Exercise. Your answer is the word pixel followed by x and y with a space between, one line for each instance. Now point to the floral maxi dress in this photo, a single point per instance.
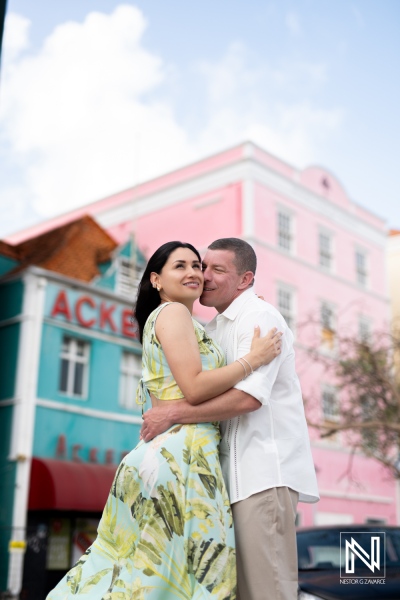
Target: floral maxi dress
pixel 166 532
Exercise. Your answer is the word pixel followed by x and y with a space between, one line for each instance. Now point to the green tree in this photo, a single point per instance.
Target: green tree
pixel 366 374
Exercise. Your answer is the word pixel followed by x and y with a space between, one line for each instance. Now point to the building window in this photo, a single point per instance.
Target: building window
pixel 375 521
pixel 128 277
pixel 285 231
pixel 286 305
pixel 131 370
pixel 361 268
pixel 364 328
pixel 330 403
pixel 325 250
pixel 74 367
pixel 328 326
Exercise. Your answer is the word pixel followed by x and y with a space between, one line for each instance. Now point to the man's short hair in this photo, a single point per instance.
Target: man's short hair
pixel 245 257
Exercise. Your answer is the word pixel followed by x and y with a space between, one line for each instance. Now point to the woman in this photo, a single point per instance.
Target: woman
pixel 166 531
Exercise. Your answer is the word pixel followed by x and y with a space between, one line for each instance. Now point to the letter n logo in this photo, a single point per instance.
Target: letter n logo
pixel 365 546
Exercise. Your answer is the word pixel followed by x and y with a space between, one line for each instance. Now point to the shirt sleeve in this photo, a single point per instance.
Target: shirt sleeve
pixel 259 384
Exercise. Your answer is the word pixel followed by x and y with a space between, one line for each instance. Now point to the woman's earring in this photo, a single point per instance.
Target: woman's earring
pixel 158 288
pixel 154 285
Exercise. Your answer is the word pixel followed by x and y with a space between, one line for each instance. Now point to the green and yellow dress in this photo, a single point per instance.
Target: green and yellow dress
pixel 166 531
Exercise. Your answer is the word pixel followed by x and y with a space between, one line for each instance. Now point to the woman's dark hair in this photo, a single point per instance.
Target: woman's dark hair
pixel 148 298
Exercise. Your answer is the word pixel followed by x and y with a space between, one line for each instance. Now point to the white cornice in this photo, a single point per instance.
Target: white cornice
pixel 94 334
pixel 297 259
pixel 70 282
pixel 245 169
pixel 359 497
pixel 175 194
pixel 321 206
pixel 89 412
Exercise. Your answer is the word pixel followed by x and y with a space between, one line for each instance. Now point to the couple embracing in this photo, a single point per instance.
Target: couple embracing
pixel 188 510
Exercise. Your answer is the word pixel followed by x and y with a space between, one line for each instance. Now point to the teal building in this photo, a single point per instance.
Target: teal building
pixel 70 364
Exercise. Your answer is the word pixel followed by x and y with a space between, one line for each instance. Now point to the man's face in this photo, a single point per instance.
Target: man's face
pixel 222 283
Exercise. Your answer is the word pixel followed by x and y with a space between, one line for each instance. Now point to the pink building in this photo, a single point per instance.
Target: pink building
pixel 321 258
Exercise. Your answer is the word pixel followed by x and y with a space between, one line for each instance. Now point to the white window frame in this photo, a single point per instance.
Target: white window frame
pixel 128 277
pixel 328 255
pixel 282 234
pixel 130 373
pixel 290 314
pixel 362 275
pixel 330 415
pixel 73 357
pixel 365 323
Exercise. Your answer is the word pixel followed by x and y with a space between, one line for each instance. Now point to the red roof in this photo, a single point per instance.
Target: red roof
pixel 75 249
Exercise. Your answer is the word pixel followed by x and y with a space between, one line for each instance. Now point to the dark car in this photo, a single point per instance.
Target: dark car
pixel 356 562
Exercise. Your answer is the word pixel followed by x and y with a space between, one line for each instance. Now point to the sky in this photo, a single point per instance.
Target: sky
pixel 96 96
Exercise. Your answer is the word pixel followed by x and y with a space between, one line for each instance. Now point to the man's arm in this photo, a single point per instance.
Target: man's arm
pixel 225 406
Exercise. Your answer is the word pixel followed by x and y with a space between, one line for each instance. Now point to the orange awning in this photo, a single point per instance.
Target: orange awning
pixel 67 485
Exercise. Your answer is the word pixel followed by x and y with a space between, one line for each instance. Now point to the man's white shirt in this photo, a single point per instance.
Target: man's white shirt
pixel 269 447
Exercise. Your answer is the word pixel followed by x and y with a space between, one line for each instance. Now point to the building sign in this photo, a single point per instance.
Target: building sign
pixel 61 452
pixel 92 312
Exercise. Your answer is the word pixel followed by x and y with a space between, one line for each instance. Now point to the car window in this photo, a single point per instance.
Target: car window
pixel 318 550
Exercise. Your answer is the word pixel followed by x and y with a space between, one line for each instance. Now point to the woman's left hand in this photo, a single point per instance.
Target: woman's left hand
pixel 264 349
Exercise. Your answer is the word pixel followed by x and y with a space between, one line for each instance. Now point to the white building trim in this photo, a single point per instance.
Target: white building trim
pixel 359 497
pixel 243 170
pixel 318 204
pixel 24 414
pixel 316 267
pixel 88 333
pixel 89 412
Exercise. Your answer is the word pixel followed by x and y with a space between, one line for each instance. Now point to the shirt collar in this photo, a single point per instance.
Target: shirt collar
pixel 235 306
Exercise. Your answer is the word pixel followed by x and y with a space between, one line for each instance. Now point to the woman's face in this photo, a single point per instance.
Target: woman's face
pixel 181 278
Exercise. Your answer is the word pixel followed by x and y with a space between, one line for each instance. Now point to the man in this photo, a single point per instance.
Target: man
pixel 265 452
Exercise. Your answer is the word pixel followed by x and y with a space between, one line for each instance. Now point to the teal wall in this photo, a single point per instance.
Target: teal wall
pixel 89 432
pixel 106 349
pixel 103 390
pixel 7 486
pixel 6 265
pixel 104 371
pixel 108 270
pixel 107 280
pixel 9 337
pixel 11 296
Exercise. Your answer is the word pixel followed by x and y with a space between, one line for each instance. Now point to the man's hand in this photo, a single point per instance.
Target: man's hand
pixel 155 421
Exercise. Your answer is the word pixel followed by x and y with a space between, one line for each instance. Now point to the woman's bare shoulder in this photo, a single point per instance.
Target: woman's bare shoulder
pixel 174 310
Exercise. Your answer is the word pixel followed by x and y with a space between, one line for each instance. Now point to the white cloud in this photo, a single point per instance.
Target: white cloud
pixel 246 102
pixel 79 117
pixel 16 35
pixel 87 115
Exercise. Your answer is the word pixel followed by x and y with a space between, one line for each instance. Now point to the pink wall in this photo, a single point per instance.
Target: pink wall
pixel 219 214
pixel 204 217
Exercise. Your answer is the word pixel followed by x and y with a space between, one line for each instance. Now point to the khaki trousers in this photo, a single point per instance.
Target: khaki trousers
pixel 266 547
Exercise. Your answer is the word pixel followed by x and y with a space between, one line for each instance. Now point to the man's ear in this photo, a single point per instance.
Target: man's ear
pixel 246 280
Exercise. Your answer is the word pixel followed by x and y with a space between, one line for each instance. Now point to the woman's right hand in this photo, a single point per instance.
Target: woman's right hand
pixel 264 349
